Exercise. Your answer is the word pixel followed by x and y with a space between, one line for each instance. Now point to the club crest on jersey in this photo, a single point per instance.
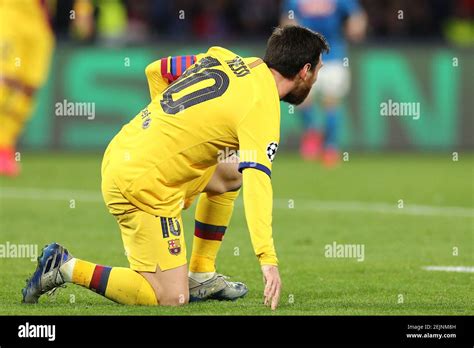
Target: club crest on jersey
pixel 174 246
pixel 272 150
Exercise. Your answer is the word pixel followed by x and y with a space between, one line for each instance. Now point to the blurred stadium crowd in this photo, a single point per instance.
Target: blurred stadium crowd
pixel 135 22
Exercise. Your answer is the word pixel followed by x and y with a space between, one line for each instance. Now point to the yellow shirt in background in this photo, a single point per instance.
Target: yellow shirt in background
pixel 221 102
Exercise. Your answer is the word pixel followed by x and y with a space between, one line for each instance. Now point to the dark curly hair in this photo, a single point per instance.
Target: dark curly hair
pixel 290 47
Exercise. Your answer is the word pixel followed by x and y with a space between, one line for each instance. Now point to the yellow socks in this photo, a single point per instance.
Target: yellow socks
pixel 119 284
pixel 213 213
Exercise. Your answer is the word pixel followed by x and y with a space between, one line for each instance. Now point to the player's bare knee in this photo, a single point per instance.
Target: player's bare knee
pixel 226 178
pixel 232 180
pixel 234 185
pixel 228 185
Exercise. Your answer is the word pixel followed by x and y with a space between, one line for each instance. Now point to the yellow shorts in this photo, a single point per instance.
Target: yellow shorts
pixel 152 241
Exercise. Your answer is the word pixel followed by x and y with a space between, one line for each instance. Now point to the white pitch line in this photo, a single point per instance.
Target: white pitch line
pixel 50 194
pixel 461 269
pixel 279 203
pixel 385 208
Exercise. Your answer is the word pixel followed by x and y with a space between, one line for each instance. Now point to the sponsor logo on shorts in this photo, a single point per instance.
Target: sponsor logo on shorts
pixel 174 246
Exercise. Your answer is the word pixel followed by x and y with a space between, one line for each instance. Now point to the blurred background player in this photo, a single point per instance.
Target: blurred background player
pixel 336 20
pixel 26 43
pixel 26 48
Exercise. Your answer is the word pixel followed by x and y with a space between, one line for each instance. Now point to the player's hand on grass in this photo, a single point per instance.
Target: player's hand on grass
pixel 272 281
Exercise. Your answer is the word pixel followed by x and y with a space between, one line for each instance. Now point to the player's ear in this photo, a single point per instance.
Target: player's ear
pixel 305 72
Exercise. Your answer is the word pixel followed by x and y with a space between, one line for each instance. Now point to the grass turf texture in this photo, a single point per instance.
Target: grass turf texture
pixel 397 245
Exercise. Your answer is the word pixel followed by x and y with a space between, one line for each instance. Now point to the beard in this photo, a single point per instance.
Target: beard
pixel 297 95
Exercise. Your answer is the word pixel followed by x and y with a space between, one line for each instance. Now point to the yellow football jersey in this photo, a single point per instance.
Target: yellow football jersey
pixel 220 103
pixel 27 41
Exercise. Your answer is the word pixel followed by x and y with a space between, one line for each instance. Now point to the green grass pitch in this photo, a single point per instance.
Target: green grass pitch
pixel 356 203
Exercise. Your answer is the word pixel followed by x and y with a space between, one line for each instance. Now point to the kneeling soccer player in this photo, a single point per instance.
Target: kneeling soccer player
pixel 202 106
